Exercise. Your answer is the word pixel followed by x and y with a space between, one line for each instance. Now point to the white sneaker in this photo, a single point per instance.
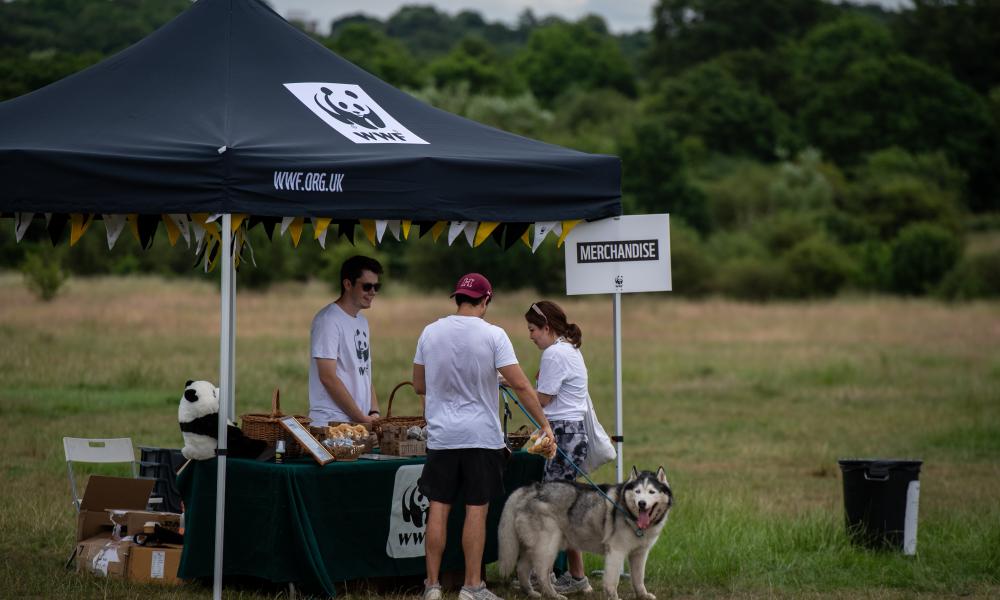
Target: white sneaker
pixel 432 592
pixel 479 593
pixel 567 584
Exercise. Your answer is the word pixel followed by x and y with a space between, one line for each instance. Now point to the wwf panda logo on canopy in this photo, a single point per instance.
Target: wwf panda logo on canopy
pixel 353 113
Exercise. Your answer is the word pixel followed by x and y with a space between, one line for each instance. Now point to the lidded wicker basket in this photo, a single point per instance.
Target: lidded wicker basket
pixel 267 427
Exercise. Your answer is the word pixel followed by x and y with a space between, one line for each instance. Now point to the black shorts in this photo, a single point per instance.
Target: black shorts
pixel 472 476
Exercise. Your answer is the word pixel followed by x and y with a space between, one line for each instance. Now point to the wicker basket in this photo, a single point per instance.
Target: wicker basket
pixel 518 438
pixel 390 421
pixel 267 427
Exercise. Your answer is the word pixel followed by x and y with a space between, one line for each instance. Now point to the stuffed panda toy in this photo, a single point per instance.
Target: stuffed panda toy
pixel 198 416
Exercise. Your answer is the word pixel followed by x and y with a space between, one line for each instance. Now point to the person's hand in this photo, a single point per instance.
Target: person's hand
pixel 552 436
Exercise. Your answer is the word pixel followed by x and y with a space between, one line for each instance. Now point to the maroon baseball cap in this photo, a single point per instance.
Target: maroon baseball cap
pixel 473 285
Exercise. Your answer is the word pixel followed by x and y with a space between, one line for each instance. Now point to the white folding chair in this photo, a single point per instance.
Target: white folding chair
pixel 97 450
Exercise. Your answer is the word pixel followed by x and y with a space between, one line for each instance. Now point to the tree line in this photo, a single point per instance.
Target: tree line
pixel 803 148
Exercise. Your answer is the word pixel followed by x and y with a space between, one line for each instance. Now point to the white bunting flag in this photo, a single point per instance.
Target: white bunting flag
pixel 542 229
pixel 114 225
pixel 454 229
pixel 380 225
pixel 285 222
pixel 21 222
pixel 470 232
pixel 394 229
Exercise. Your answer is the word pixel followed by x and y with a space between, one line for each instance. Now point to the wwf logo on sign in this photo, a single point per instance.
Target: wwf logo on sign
pixel 348 109
pixel 619 282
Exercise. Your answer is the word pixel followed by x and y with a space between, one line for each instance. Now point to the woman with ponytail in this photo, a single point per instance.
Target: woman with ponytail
pixel 562 392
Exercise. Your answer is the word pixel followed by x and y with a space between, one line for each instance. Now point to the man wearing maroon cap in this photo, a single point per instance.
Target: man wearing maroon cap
pixel 456 367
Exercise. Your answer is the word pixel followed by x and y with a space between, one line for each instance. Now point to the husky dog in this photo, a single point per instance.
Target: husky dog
pixel 543 518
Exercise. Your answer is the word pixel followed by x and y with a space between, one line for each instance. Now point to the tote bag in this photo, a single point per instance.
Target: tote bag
pixel 601 449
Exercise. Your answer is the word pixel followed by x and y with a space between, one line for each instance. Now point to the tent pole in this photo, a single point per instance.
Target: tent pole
pixel 616 304
pixel 232 334
pixel 226 392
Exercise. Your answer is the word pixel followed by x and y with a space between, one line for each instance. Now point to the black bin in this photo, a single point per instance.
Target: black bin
pixel 881 499
pixel 161 464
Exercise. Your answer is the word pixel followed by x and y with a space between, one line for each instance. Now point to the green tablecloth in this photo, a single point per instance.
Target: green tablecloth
pixel 299 522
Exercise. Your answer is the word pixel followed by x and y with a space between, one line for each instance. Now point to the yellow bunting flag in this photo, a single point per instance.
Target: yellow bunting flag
pixel 406 229
pixel 133 225
pixel 237 220
pixel 526 237
pixel 567 226
pixel 368 226
pixel 79 224
pixel 296 230
pixel 438 229
pixel 319 226
pixel 484 231
pixel 173 231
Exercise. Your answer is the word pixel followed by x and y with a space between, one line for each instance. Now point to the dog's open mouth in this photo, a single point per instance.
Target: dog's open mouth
pixel 643 519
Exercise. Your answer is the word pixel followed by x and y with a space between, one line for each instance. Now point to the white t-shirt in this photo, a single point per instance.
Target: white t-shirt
pixel 339 336
pixel 563 374
pixel 461 356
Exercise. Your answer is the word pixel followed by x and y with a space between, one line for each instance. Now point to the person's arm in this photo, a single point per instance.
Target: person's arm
pixel 327 370
pixel 544 399
pixel 419 380
pixel 526 394
pixel 374 409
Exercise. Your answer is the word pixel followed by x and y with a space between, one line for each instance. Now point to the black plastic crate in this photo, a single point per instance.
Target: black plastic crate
pixel 160 465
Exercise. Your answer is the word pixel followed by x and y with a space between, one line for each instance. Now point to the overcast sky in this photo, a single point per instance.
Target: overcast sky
pixel 621 15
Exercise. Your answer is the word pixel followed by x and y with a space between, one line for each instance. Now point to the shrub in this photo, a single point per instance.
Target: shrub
pixel 920 257
pixel 43 273
pixel 974 277
pixel 818 267
pixel 691 270
pixel 753 279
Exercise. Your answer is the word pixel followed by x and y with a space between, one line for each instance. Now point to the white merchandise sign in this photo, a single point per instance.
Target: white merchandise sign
pixel 408 516
pixel 625 254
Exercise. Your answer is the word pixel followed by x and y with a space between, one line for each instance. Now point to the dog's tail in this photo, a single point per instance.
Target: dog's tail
pixel 507 534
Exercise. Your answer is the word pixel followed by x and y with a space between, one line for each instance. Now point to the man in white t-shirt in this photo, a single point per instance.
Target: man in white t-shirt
pixel 456 367
pixel 340 368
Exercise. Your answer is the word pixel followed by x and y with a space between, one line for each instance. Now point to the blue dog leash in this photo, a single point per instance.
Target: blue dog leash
pixel 628 517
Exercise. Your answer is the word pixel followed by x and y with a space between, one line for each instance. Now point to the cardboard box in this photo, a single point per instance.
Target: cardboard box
pixel 149 564
pixel 103 493
pixel 135 519
pixel 103 556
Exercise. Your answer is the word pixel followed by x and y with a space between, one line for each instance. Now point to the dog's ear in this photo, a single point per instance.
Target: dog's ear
pixel 661 476
pixel 634 474
pixel 189 382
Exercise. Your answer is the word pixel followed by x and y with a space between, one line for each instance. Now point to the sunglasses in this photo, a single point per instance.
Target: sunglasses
pixel 371 286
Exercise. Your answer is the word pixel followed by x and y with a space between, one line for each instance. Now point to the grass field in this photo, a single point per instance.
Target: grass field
pixel 748 407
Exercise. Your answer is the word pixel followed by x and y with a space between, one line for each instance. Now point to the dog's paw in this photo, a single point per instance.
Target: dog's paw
pixel 610 594
pixel 644 595
pixel 531 593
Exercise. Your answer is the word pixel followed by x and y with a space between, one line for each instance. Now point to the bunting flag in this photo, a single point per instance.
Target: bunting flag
pixel 147 226
pixel 567 226
pixel 456 228
pixel 368 226
pixel 57 226
pixel 425 227
pixel 48 219
pixel 484 231
pixel 320 227
pixel 497 234
pixel 173 231
pixel 285 222
pixel 405 223
pixel 394 229
pixel 542 229
pixel 438 229
pixel 113 225
pixel 346 229
pixel 78 226
pixel 514 232
pixel 133 226
pixel 470 232
pixel 21 222
pixel 526 237
pixel 296 230
pixel 181 222
pixel 236 221
pixel 380 226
